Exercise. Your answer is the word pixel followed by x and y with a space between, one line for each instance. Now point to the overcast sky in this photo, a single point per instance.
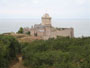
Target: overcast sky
pixel 63 9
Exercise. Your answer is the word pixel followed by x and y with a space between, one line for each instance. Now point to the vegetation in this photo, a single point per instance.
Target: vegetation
pixel 20 30
pixel 57 53
pixel 53 53
pixel 28 33
pixel 9 48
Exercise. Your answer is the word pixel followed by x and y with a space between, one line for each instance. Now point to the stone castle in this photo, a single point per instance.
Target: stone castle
pixel 45 30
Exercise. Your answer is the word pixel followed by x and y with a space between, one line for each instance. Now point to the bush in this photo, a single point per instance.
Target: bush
pixel 9 48
pixel 57 53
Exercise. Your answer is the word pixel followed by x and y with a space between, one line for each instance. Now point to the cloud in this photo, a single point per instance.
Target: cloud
pixel 35 1
pixel 80 2
pixel 56 8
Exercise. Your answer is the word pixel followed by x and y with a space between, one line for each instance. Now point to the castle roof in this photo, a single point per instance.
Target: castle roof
pixel 39 26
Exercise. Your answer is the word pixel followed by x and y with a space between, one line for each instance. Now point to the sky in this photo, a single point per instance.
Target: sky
pixel 62 9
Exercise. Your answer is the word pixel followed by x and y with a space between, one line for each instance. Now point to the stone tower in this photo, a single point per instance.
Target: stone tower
pixel 46 20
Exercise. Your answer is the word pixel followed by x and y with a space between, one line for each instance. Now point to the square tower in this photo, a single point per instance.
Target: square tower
pixel 46 20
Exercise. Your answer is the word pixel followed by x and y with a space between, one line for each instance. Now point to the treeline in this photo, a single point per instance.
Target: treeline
pixel 57 53
pixel 9 48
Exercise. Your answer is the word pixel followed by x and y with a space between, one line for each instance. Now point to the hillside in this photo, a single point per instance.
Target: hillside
pixel 57 53
pixel 62 52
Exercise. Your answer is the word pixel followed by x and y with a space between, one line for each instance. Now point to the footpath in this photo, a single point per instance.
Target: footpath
pixel 18 64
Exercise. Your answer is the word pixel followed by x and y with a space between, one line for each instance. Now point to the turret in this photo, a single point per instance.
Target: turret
pixel 46 20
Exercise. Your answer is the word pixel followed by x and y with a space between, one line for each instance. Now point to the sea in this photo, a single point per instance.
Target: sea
pixel 81 26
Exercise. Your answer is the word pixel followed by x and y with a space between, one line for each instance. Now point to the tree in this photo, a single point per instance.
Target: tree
pixel 57 53
pixel 9 48
pixel 28 33
pixel 20 30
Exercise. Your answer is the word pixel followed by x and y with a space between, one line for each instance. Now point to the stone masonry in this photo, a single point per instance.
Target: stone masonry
pixel 45 30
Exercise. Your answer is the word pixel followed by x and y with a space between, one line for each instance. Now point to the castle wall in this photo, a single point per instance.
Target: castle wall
pixel 32 32
pixel 68 32
pixel 26 30
pixel 40 34
pixel 50 32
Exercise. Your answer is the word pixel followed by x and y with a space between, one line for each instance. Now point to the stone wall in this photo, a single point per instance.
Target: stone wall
pixel 68 32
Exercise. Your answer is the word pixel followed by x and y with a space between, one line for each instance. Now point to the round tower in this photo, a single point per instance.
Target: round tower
pixel 46 20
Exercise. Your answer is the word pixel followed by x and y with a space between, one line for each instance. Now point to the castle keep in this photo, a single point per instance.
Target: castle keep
pixel 45 30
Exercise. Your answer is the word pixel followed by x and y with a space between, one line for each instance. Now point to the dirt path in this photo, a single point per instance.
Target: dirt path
pixel 18 64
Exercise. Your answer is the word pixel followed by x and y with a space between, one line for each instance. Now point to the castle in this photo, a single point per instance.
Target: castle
pixel 45 30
